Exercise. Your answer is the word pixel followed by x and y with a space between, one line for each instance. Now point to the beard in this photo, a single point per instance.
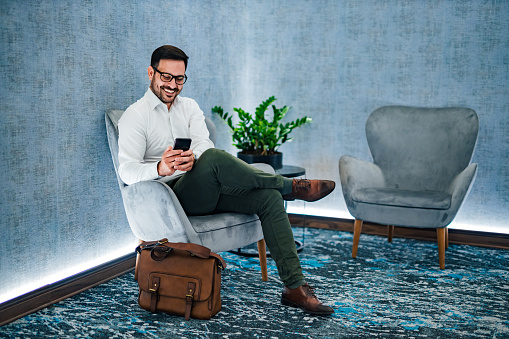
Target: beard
pixel 166 93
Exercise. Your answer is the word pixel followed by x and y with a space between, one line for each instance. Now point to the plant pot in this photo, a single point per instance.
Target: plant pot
pixel 275 160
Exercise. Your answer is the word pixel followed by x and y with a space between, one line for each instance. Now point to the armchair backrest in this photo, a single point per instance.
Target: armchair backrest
pixel 112 118
pixel 422 148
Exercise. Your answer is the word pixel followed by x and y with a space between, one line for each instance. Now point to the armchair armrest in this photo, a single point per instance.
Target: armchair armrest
pixel 461 185
pixel 152 202
pixel 357 174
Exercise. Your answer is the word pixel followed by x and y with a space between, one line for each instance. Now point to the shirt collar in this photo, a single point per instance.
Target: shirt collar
pixel 154 101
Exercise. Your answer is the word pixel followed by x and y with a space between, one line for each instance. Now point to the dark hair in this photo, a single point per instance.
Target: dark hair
pixel 168 52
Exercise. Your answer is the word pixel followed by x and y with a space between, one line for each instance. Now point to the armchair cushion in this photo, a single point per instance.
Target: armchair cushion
pixel 221 231
pixel 403 198
pixel 214 222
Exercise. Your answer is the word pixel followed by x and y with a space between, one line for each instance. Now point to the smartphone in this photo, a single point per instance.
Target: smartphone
pixel 182 144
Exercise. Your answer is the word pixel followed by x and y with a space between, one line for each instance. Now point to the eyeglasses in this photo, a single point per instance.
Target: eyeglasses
pixel 167 77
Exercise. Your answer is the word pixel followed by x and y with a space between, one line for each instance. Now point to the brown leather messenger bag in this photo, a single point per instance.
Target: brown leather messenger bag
pixel 179 278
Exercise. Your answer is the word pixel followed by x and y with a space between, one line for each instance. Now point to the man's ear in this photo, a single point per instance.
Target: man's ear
pixel 150 73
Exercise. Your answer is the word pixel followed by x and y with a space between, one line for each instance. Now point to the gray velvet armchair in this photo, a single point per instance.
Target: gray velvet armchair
pixel 154 212
pixel 420 174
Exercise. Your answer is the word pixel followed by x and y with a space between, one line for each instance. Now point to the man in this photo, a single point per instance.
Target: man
pixel 207 180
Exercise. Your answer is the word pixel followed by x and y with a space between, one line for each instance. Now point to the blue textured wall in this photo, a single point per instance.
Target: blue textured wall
pixel 64 63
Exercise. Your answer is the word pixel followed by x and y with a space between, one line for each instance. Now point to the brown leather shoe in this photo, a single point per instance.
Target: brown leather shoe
pixel 303 297
pixel 310 190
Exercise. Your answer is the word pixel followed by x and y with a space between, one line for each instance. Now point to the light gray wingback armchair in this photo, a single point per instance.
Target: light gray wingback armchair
pixel 154 212
pixel 421 171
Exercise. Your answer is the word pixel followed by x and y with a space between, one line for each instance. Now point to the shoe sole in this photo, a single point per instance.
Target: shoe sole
pixel 286 302
pixel 311 200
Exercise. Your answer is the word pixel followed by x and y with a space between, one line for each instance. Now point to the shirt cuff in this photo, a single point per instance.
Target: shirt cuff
pixel 156 174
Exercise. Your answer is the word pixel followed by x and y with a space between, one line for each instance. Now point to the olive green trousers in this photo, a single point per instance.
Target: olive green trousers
pixel 220 182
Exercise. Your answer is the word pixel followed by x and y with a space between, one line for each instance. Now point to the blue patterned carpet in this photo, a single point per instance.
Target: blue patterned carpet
pixel 391 290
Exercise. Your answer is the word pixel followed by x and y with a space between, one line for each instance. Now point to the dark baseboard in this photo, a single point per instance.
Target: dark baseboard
pixel 50 294
pixel 47 295
pixel 460 237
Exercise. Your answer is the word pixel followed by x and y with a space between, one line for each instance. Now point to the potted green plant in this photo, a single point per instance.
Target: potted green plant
pixel 259 138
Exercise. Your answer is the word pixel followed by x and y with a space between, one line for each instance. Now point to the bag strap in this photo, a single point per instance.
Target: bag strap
pixel 148 245
pixel 198 250
pixel 153 293
pixel 195 249
pixel 222 263
pixel 191 287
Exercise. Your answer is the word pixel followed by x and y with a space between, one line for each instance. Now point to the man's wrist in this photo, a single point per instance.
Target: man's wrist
pixel 158 172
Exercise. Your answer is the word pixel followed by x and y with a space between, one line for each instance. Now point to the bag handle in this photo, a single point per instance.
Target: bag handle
pixel 194 249
pixel 197 250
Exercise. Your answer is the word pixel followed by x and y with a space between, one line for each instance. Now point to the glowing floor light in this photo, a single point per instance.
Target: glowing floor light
pixel 317 211
pixel 331 213
pixel 66 273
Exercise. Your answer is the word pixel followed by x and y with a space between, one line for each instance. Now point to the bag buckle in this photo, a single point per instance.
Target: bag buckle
pixel 156 281
pixel 155 285
pixel 191 286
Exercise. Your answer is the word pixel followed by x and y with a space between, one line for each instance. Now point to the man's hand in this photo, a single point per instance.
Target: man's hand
pixel 173 160
pixel 184 161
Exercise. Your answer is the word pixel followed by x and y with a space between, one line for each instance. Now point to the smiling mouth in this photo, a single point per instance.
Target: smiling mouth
pixel 169 91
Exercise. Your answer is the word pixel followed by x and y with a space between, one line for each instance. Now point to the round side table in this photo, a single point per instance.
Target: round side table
pixel 291 171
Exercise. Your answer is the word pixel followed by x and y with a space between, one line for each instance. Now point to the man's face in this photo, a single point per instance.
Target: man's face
pixel 166 91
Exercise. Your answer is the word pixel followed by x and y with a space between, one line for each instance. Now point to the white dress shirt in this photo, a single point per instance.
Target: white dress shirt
pixel 147 128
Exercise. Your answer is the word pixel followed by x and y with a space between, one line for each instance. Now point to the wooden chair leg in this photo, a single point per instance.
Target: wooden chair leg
pixel 262 253
pixel 390 232
pixel 446 238
pixel 441 247
pixel 357 227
